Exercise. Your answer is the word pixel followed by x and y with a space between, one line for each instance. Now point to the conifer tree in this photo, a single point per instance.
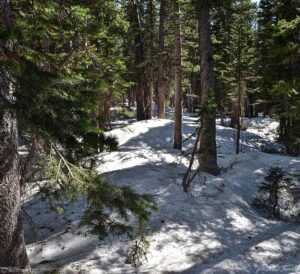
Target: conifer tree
pixel 242 59
pixel 150 57
pixel 221 32
pixel 178 76
pixel 278 40
pixel 64 57
pixel 207 150
pixel 266 20
pixel 286 80
pixel 13 258
pixel 161 61
pixel 136 24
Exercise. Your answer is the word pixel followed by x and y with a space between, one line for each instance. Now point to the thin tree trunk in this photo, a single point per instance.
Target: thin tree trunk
pixel 234 116
pixel 129 95
pixel 190 99
pixel 161 64
pixel 13 257
pixel 139 59
pixel 178 77
pixel 207 151
pixel 238 125
pixel 249 112
pixel 149 93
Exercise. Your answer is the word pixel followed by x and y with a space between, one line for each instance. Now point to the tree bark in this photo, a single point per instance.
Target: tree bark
pixel 207 151
pixel 13 257
pixel 161 63
pixel 139 59
pixel 234 115
pixel 150 90
pixel 239 112
pixel 178 77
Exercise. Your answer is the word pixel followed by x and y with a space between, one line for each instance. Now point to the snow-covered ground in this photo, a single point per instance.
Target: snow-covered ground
pixel 212 230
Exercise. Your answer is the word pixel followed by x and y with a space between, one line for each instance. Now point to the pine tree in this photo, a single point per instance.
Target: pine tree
pixel 286 81
pixel 279 62
pixel 178 76
pixel 275 183
pixel 242 59
pixel 190 58
pixel 150 57
pixel 161 61
pixel 65 58
pixel 13 256
pixel 139 59
pixel 266 21
pixel 207 150
pixel 221 32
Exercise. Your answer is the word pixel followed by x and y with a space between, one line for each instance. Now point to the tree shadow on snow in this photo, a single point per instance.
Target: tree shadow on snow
pixel 207 227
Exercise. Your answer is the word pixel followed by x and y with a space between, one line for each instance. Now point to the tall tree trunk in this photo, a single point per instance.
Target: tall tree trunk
pixel 178 77
pixel 239 112
pixel 234 115
pixel 190 99
pixel 13 257
pixel 139 59
pixel 161 63
pixel 249 106
pixel 150 90
pixel 207 151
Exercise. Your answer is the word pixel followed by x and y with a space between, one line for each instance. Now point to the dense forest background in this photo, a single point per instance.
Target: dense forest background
pixel 68 68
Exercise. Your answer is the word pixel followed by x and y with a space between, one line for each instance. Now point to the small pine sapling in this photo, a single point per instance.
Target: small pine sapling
pixel 273 187
pixel 137 252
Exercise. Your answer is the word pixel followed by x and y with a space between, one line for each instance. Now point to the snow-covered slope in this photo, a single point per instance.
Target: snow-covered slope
pixel 212 230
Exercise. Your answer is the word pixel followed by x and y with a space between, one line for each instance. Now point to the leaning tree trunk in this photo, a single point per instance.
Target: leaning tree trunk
pixel 207 150
pixel 178 78
pixel 13 257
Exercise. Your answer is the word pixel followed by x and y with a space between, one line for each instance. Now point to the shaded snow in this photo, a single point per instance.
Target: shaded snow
pixel 213 230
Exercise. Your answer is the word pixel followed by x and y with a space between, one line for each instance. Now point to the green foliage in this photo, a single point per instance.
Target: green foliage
pixel 138 252
pixel 233 39
pixel 273 186
pixel 68 63
pixel 110 209
pixel 106 200
pixel 126 112
pixel 278 45
pixel 242 57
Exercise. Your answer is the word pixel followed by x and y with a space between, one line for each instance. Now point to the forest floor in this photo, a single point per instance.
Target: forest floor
pixel 214 229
